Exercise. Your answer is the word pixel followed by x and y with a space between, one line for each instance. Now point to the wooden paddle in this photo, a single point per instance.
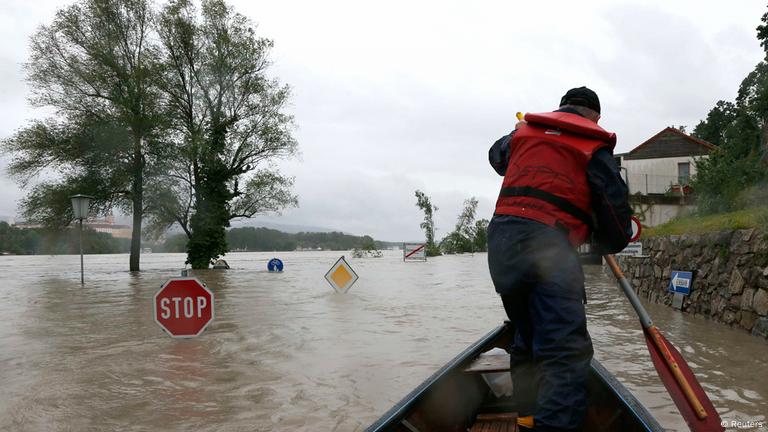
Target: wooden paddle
pixel 682 385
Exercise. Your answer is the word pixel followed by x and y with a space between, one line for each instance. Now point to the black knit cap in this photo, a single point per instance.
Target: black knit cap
pixel 581 96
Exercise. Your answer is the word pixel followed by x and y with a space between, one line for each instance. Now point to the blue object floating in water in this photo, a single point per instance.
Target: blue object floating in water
pixel 275 265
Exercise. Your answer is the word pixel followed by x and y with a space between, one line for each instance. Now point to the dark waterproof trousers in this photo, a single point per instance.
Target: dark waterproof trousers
pixel 539 277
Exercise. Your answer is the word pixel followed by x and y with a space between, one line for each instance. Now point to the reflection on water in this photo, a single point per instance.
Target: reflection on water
pixel 287 353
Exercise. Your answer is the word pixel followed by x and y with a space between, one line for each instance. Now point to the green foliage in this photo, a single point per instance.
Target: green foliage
pixel 39 241
pixel 734 176
pixel 165 114
pixel 695 224
pixel 469 235
pixel 719 119
pixel 481 236
pixel 211 218
pixel 368 244
pixel 461 239
pixel 367 249
pixel 265 239
pixel 18 241
pixel 762 33
pixel 173 243
pixel 335 241
pixel 94 64
pixel 428 225
pixel 84 152
pixel 229 118
pixel 260 239
pixel 729 177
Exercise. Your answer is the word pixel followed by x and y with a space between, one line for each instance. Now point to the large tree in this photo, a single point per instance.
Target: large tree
pixel 428 224
pixel 228 120
pixel 168 116
pixel 94 65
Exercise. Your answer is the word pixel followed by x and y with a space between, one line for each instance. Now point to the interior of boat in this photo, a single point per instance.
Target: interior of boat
pixel 470 394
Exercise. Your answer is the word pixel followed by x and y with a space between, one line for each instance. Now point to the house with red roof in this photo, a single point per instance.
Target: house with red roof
pixel 664 164
pixel 659 172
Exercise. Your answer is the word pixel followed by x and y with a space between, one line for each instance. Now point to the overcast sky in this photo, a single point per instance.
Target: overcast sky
pixel 400 95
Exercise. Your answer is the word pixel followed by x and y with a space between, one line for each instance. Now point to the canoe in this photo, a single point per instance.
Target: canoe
pixel 458 397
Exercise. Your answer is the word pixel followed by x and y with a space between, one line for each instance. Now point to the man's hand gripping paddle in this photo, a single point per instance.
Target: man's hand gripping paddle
pixel 520 119
pixel 686 392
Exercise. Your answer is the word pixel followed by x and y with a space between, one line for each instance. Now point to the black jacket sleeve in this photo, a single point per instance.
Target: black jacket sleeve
pixel 498 155
pixel 609 203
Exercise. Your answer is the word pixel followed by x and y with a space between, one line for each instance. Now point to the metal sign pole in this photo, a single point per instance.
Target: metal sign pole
pixel 80 211
pixel 82 271
pixel 677 301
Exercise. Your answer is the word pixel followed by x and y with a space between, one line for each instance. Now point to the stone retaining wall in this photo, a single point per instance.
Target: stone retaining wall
pixel 730 275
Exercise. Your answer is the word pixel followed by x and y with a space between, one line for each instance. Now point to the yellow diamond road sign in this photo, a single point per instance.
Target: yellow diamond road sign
pixel 341 276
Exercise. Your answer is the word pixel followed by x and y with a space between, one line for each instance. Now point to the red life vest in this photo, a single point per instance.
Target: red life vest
pixel 546 178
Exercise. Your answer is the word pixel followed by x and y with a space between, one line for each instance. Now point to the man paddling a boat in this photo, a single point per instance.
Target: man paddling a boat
pixel 561 186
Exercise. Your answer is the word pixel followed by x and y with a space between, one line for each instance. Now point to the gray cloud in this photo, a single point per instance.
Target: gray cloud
pixel 404 96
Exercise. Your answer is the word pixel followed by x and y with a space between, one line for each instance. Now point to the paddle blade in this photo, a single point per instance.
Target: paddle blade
pixel 712 422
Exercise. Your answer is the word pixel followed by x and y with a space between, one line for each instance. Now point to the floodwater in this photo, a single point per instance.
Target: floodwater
pixel 287 353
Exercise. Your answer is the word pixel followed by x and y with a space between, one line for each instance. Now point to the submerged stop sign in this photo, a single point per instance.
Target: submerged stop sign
pixel 183 307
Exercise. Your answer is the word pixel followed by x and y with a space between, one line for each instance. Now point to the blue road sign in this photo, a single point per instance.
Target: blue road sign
pixel 680 282
pixel 275 265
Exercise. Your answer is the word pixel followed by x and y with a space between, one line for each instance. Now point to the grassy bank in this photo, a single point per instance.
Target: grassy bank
pixel 747 218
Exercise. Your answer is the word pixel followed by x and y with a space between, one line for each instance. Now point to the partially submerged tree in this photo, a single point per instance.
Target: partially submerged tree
pixel 94 64
pixel 480 241
pixel 228 123
pixel 462 239
pixel 121 78
pixel 428 225
pixel 367 249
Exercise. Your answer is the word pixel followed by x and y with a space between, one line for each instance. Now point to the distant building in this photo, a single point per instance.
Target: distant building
pixel 659 172
pixel 308 249
pixel 664 163
pixel 25 225
pixel 106 225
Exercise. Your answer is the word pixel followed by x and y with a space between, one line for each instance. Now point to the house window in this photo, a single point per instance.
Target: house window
pixel 683 173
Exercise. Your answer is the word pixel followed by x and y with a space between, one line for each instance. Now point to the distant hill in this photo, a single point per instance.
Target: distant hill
pixel 286 228
pixel 175 229
pixel 266 239
pixel 16 240
pixel 43 241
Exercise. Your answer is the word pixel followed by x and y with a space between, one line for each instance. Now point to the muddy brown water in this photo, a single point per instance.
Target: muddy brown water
pixel 287 353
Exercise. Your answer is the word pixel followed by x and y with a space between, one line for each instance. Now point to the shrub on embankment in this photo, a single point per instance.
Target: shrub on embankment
pixel 730 274
pixel 752 217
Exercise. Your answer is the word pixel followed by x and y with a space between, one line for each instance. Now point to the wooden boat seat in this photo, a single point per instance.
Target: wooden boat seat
pixel 489 363
pixel 503 422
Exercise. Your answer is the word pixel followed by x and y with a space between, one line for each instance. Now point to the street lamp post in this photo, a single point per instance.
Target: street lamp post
pixel 80 205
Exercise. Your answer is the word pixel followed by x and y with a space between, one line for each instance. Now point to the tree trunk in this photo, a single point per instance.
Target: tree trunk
pixel 208 225
pixel 764 142
pixel 137 191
